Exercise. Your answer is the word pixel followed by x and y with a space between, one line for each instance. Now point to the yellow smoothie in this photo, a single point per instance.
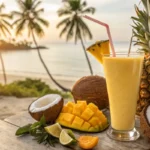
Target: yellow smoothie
pixel 123 79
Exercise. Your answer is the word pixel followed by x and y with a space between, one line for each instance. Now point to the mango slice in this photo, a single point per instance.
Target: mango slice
pixel 82 116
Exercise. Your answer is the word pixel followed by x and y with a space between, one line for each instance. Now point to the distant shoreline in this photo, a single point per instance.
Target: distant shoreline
pixel 22 45
pixel 22 48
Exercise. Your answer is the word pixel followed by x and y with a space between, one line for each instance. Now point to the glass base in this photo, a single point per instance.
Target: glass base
pixel 131 135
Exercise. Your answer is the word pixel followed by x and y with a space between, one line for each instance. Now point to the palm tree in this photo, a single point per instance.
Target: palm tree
pixel 4 31
pixel 29 18
pixel 73 25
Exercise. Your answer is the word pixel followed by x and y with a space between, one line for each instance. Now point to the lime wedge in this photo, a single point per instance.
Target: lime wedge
pixel 54 130
pixel 64 138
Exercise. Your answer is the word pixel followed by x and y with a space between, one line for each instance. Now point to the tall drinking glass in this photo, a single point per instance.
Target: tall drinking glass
pixel 123 74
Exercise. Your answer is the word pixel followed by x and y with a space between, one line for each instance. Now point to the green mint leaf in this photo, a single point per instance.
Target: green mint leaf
pixel 23 130
pixel 43 121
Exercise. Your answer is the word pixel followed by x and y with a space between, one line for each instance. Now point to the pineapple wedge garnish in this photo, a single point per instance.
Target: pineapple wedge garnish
pixel 99 49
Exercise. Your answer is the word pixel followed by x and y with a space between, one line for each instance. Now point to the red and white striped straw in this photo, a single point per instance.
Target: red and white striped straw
pixel 108 32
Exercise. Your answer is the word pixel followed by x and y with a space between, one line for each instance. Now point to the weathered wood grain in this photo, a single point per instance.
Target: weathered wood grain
pixel 8 140
pixel 105 143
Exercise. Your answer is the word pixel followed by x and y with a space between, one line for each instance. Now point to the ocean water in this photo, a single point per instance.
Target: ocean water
pixel 64 60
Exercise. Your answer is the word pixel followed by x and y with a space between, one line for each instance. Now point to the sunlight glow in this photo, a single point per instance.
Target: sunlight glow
pixel 110 11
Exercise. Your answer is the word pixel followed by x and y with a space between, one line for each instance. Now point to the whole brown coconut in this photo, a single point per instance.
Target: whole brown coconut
pixel 49 105
pixel 145 121
pixel 92 89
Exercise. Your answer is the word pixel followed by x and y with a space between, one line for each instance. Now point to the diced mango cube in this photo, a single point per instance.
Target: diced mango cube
pixel 83 104
pixel 87 114
pixel 60 117
pixel 91 129
pixel 77 122
pixel 64 109
pixel 68 117
pixel 94 121
pixel 70 104
pixel 98 113
pixel 93 107
pixel 85 126
pixel 77 110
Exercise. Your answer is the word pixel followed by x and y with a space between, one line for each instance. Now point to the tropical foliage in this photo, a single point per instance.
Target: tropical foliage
pixel 29 88
pixel 73 26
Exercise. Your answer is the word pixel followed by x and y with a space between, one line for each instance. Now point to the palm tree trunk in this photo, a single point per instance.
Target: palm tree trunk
pixel 42 61
pixel 3 68
pixel 87 58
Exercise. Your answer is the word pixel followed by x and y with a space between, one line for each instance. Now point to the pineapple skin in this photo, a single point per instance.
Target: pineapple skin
pixel 144 94
pixel 141 31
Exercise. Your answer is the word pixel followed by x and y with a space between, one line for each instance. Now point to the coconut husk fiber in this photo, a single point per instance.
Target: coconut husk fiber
pixel 92 89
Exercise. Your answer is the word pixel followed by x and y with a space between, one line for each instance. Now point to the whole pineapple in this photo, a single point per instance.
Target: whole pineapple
pixel 141 30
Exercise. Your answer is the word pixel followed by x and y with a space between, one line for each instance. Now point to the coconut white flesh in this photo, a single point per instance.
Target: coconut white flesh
pixel 45 102
pixel 148 114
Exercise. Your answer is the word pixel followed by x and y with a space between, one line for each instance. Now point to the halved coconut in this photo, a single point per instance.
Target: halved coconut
pixel 49 105
pixel 145 121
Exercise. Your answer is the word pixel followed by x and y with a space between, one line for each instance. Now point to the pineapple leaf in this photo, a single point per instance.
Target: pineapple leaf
pixel 139 32
pixel 136 19
pixel 145 4
pixel 149 23
pixel 142 45
pixel 142 50
pixel 148 7
pixel 143 40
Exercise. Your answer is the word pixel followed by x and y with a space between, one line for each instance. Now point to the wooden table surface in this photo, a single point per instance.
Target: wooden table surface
pixel 8 140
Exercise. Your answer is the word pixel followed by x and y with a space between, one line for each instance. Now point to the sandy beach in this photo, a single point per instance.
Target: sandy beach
pixel 66 83
pixel 11 105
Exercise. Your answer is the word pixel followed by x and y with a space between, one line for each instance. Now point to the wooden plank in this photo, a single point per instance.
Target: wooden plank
pixel 105 142
pixel 8 140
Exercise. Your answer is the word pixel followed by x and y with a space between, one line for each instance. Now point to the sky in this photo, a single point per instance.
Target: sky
pixel 116 13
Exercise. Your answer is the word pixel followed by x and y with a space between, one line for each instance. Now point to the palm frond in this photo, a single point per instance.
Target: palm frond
pixel 89 10
pixel 16 21
pixel 36 5
pixel 37 12
pixel 43 21
pixel 17 13
pixel 84 28
pixel 74 5
pixel 2 6
pixel 73 25
pixel 63 12
pixel 64 21
pixel 77 33
pixel 20 27
pixel 70 30
pixel 29 31
pixel 84 4
pixel 38 30
pixel 7 23
pixel 7 16
pixel 2 30
pixel 6 29
pixel 28 4
pixel 21 4
pixel 33 22
pixel 64 30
